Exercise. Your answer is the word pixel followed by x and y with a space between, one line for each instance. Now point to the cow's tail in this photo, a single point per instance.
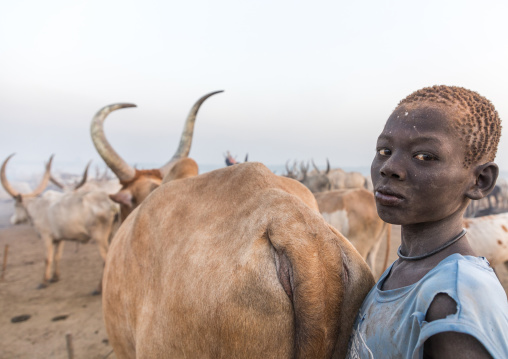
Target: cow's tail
pixel 315 271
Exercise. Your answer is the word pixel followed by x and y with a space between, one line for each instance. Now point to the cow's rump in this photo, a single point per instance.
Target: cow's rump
pixel 236 262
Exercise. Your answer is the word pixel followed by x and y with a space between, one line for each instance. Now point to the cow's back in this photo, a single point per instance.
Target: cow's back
pixel 77 215
pixel 488 236
pixel 195 271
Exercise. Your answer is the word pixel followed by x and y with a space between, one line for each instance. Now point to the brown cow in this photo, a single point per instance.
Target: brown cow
pixel 353 213
pixel 137 184
pixel 234 263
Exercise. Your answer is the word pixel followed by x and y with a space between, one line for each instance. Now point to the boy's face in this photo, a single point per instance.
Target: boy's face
pixel 418 172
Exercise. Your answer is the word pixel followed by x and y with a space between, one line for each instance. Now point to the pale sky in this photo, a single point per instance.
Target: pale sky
pixel 302 79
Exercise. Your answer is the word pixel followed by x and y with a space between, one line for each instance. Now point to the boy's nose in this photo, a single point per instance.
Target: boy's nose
pixel 391 168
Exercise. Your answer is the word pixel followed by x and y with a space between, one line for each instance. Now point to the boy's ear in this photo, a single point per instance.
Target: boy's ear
pixel 485 181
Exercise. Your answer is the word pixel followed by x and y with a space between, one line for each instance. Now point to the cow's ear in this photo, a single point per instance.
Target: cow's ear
pixel 485 177
pixel 122 197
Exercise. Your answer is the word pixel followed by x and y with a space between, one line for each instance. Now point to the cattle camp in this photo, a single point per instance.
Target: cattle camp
pixel 247 180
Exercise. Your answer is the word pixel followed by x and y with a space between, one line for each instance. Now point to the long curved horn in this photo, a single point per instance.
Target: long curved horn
pixel 122 169
pixel 7 186
pixel 44 182
pixel 327 166
pixel 85 176
pixel 188 130
pixel 42 186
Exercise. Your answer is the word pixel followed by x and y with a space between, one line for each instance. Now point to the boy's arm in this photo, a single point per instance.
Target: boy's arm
pixel 450 344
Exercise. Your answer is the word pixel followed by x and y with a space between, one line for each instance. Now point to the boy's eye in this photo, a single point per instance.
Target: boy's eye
pixel 384 152
pixel 424 157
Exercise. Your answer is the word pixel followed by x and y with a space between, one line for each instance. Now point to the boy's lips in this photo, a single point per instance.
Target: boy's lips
pixel 387 197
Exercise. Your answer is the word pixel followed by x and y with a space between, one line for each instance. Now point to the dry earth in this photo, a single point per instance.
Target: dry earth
pixel 41 336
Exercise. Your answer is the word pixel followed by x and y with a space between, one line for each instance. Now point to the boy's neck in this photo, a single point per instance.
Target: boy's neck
pixel 421 238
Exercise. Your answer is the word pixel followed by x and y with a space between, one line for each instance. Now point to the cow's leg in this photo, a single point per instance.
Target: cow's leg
pixel 59 246
pixel 102 238
pixel 48 242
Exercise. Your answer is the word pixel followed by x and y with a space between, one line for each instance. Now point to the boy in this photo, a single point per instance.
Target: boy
pixel 438 300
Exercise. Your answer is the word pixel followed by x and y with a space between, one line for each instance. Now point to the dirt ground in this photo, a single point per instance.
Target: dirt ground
pixel 41 336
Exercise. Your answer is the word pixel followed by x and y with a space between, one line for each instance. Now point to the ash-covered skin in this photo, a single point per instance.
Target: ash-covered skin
pixel 417 156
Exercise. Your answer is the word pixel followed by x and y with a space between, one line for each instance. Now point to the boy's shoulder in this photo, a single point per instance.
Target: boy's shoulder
pixel 468 280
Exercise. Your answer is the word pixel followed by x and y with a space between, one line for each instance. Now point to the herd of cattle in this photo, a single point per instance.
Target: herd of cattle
pixel 237 262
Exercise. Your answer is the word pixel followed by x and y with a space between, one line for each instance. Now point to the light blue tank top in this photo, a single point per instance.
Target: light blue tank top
pixel 391 323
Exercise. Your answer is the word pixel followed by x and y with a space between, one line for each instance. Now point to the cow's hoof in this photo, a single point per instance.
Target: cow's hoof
pixel 42 286
pixel 96 292
pixel 54 280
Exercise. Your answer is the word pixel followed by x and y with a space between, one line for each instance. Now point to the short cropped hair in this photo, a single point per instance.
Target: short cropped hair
pixel 476 120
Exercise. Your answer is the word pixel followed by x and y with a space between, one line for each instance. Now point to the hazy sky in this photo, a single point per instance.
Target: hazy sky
pixel 302 79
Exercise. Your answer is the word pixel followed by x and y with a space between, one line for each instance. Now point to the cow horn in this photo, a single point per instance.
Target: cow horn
pixel 327 166
pixel 188 130
pixel 9 189
pixel 44 182
pixel 122 169
pixel 85 176
pixel 7 186
pixel 56 182
pixel 246 158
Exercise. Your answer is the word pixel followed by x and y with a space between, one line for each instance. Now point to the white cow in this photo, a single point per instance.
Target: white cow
pixel 58 217
pixel 488 237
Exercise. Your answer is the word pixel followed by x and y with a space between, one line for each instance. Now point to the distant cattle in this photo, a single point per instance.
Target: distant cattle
pixel 488 236
pixel 234 263
pixel 340 179
pixel 137 184
pixel 317 181
pixel 353 213
pixel 58 217
pixel 330 179
pixel 494 203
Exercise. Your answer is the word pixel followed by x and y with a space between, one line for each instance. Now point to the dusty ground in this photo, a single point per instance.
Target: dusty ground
pixel 40 336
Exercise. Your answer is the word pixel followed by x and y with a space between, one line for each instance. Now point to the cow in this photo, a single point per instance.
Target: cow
pixel 488 236
pixel 58 217
pixel 340 179
pixel 316 181
pixel 330 179
pixel 353 213
pixel 233 263
pixel 137 184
